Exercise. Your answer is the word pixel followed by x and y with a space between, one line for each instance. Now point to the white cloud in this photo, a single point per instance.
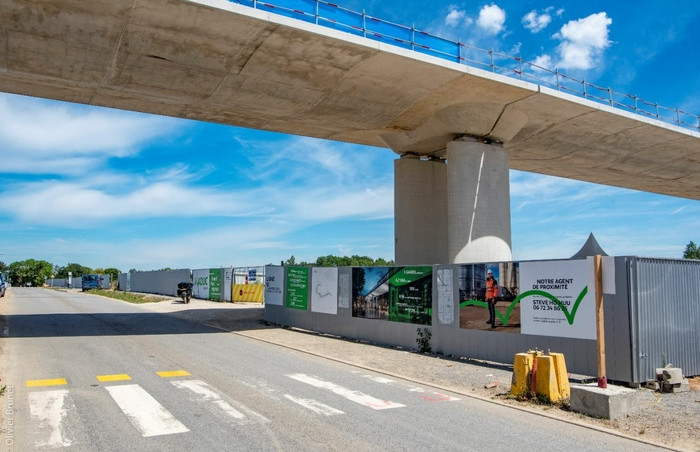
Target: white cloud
pixel 455 16
pixel 491 19
pixel 536 22
pixel 48 129
pixel 583 41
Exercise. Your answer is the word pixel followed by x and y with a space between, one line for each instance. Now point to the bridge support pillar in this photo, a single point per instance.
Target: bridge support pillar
pixel 420 211
pixel 478 202
pixel 453 213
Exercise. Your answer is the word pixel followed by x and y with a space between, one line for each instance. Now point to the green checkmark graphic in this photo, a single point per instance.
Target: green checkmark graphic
pixel 504 318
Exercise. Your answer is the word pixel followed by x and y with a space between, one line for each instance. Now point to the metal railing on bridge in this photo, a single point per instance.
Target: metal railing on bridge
pixel 331 15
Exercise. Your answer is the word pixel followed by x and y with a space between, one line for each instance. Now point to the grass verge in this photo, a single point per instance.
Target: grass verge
pixel 129 296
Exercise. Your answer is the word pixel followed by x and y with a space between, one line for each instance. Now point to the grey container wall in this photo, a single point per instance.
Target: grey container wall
pixel 638 325
pixel 665 315
pixel 163 282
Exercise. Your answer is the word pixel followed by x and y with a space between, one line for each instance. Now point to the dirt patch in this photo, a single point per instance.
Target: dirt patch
pixel 694 383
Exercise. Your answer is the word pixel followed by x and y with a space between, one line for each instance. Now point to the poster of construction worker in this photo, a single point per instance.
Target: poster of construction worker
pixel 488 297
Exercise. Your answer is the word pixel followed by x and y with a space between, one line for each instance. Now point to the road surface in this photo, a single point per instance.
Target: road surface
pixel 86 373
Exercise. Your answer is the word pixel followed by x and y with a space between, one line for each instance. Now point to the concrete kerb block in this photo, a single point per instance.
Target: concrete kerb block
pixel 612 402
pixel 673 376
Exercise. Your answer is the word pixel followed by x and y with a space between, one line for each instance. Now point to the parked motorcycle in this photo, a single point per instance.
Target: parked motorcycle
pixel 184 291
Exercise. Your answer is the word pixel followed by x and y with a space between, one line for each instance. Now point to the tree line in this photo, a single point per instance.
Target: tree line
pixel 35 272
pixel 341 261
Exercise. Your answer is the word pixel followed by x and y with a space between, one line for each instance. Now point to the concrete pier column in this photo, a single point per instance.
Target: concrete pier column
pixel 478 202
pixel 420 211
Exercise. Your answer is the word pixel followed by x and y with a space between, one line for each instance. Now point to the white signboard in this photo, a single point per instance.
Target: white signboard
pixel 324 290
pixel 558 299
pixel 445 290
pixel 200 286
pixel 344 294
pixel 228 280
pixel 274 285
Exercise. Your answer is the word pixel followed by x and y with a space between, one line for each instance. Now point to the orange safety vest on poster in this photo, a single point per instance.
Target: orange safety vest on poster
pixel 491 288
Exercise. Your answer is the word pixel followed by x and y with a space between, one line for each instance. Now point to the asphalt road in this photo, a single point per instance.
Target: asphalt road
pixel 85 373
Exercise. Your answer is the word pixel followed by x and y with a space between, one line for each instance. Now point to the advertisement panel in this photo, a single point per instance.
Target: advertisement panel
pixel 445 296
pixel 559 299
pixel 200 279
pixel 226 285
pixel 274 285
pixel 324 296
pixel 474 309
pixel 297 287
pixel 215 284
pixel 249 293
pixel 400 294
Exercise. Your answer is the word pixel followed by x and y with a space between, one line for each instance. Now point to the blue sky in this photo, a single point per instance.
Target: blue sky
pixel 108 188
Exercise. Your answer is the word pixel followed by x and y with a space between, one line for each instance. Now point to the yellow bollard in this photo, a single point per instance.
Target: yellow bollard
pixel 545 380
pixel 522 366
pixel 561 375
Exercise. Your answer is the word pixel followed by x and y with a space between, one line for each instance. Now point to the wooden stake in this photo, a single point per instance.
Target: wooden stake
pixel 600 321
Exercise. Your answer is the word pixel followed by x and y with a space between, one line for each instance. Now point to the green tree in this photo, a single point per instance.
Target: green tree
pixel 351 261
pixel 77 271
pixel 29 271
pixel 113 272
pixel 691 251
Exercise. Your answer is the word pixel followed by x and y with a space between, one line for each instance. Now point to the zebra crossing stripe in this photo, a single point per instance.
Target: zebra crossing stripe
pixel 143 411
pixel 204 392
pixel 315 406
pixel 353 396
pixel 48 408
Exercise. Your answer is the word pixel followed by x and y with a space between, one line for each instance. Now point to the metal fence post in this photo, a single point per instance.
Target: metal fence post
pixel 364 23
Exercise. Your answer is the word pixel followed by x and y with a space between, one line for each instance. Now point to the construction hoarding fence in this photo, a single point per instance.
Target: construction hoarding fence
pixel 538 305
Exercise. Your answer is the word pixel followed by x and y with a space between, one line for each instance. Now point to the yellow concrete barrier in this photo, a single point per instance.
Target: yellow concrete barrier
pixel 522 367
pixel 562 376
pixel 542 374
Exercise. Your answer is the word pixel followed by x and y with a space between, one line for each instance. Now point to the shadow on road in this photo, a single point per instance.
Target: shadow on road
pixel 191 321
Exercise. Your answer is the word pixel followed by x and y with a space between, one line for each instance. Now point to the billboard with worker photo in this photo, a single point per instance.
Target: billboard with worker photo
pixel 489 296
pixel 399 294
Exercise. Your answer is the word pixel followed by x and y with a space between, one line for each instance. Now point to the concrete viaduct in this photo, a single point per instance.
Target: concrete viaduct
pixel 458 129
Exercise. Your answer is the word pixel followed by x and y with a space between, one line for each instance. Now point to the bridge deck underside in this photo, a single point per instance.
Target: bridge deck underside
pixel 216 61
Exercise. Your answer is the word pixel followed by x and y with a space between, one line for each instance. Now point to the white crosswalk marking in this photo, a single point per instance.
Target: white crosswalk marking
pixel 148 416
pixel 315 406
pixel 354 396
pixel 204 393
pixel 49 408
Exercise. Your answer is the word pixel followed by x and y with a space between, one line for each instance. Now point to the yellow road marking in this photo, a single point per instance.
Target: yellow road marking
pixel 115 377
pixel 47 382
pixel 173 373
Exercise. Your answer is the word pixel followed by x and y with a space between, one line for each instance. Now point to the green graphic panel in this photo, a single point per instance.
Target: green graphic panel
pixel 297 287
pixel 410 295
pixel 215 284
